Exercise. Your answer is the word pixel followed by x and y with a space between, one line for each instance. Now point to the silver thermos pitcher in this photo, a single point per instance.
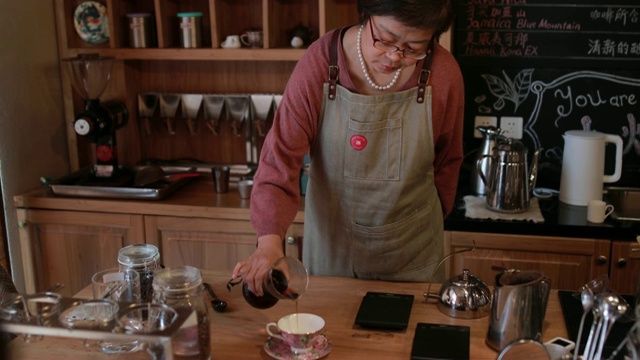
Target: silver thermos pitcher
pixel 491 134
pixel 518 307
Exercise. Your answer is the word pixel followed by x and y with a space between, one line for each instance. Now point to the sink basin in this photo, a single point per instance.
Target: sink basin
pixel 626 202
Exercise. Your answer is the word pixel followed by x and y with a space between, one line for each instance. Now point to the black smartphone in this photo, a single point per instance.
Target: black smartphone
pixel 440 342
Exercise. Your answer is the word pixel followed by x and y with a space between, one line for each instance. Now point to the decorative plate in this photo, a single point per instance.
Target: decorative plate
pixel 91 22
pixel 278 349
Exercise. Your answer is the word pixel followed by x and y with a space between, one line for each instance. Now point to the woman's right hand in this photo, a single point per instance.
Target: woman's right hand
pixel 255 268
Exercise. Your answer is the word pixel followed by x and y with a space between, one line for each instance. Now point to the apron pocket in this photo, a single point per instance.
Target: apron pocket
pixel 397 247
pixel 373 150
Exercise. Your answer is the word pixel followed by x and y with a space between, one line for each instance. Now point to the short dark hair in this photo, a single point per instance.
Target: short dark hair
pixel 436 15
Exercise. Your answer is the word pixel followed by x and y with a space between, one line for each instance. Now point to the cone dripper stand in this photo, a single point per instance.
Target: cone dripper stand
pixel 98 121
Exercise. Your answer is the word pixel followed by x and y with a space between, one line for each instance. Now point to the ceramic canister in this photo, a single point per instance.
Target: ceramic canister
pixel 190 29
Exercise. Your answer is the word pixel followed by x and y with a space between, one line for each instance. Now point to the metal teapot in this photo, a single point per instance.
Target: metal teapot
pixel 464 296
pixel 509 181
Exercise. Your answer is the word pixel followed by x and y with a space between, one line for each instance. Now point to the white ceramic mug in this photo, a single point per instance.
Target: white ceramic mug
pixel 598 210
pixel 231 42
pixel 297 330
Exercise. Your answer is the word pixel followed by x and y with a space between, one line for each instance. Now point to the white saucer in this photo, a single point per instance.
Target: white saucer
pixel 278 349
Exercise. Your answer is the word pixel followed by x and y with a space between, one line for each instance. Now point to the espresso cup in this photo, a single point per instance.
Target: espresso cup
pixel 244 188
pixel 231 42
pixel 598 210
pixel 252 39
pixel 297 330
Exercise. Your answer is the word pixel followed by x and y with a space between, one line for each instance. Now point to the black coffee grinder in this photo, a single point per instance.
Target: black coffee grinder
pixel 98 121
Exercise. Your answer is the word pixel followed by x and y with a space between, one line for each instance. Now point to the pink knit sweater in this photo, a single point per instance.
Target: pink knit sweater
pixel 275 197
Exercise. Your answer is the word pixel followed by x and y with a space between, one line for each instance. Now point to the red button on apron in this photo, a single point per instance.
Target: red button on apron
pixel 358 142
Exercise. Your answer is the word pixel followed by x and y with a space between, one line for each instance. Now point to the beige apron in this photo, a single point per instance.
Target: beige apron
pixel 372 210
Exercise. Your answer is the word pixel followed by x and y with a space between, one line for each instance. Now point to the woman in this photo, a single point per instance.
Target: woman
pixel 385 149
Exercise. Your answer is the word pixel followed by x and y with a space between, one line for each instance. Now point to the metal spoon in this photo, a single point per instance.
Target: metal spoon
pixel 217 304
pixel 586 297
pixel 612 308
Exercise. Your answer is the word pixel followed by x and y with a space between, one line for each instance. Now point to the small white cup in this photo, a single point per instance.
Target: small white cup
pixel 231 42
pixel 244 188
pixel 598 210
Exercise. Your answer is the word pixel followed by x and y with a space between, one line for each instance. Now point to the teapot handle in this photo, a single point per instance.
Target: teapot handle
pixel 481 173
pixel 545 287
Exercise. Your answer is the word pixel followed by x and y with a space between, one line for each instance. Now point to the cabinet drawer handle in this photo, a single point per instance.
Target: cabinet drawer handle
pixel 622 262
pixel 22 224
pixel 601 260
pixel 291 240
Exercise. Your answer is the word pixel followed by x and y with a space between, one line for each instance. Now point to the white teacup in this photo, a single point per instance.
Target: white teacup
pixel 252 39
pixel 231 42
pixel 598 210
pixel 297 330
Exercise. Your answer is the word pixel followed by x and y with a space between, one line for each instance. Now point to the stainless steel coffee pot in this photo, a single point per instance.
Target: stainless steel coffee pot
pixel 491 134
pixel 509 180
pixel 518 307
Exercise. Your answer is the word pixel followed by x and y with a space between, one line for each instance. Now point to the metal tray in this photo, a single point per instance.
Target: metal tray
pixel 84 183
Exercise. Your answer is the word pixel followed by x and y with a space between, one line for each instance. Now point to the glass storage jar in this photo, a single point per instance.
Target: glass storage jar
pixel 144 259
pixel 182 287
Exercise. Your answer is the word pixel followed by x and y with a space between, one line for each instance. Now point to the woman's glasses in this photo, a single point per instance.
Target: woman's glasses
pixel 390 48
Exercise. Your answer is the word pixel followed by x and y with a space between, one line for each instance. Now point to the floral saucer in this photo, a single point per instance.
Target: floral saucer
pixel 91 22
pixel 278 349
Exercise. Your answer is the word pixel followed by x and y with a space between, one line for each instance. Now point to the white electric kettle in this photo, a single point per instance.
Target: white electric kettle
pixel 583 166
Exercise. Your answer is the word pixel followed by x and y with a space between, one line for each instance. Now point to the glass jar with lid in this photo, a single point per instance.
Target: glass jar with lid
pixel 182 287
pixel 144 259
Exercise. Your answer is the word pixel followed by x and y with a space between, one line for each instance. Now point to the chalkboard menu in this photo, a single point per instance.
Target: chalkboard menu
pixel 557 64
pixel 560 31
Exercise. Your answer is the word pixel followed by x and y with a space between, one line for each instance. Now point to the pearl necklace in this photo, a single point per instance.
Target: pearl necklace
pixel 364 67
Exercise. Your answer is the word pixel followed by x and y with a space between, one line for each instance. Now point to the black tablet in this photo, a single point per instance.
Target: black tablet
pixel 385 310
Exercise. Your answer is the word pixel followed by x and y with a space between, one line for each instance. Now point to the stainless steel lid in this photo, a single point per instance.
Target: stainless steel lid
pixel 465 296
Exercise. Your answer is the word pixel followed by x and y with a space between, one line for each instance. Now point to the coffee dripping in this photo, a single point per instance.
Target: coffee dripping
pixel 98 121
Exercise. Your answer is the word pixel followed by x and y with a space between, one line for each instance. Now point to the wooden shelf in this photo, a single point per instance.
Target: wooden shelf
pixel 194 54
pixel 167 68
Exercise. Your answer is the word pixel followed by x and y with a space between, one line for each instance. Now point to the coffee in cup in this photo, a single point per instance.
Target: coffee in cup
pixel 297 330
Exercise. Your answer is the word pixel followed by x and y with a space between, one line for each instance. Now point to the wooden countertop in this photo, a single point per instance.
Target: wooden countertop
pixel 196 199
pixel 239 333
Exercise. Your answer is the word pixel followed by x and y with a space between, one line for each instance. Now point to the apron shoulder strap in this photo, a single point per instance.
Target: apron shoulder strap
pixel 425 73
pixel 333 62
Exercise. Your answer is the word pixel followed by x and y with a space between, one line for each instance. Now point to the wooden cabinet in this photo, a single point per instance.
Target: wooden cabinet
pixel 625 267
pixel 66 239
pixel 569 262
pixel 68 247
pixel 212 244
